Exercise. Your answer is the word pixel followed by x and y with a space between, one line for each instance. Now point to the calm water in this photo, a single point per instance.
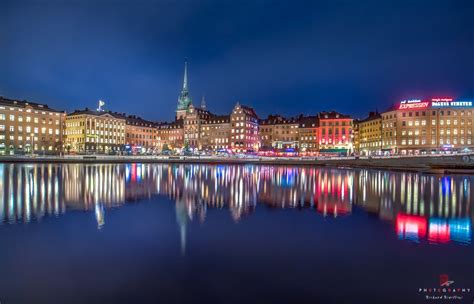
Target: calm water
pixel 231 234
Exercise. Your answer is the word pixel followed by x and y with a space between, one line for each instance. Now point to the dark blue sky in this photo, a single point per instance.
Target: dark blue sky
pixel 277 56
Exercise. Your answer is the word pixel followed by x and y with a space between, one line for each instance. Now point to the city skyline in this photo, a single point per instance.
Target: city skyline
pixel 95 54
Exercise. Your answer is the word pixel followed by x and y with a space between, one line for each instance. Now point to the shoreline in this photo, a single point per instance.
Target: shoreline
pixel 449 164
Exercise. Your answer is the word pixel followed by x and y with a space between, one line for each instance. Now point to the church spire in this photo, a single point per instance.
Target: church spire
pixel 184 100
pixel 185 78
pixel 203 102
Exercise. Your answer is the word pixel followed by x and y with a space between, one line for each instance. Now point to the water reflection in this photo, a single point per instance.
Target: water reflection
pixel 429 208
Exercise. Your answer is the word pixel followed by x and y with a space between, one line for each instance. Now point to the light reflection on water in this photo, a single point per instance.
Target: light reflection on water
pixel 436 209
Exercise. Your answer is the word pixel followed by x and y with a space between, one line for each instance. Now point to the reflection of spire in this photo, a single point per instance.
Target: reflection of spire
pixel 182 219
pixel 99 215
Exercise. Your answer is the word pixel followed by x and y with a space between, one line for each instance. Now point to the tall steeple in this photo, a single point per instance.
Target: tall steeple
pixel 203 103
pixel 185 79
pixel 184 100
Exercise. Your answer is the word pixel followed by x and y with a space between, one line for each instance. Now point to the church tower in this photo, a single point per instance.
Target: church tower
pixel 184 100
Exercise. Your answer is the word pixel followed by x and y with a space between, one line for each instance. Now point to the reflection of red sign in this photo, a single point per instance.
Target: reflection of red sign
pixel 412 106
pixel 410 225
pixel 439 231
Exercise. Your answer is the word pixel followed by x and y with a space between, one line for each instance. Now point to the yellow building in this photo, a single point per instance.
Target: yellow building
pixel 369 135
pixel 428 126
pixel 95 131
pixel 27 127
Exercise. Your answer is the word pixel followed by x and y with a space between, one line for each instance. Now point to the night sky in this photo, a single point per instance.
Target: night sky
pixel 285 57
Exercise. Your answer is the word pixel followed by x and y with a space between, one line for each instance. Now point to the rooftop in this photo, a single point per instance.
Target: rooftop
pixel 24 103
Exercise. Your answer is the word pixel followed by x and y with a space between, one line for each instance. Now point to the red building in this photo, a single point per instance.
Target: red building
pixel 334 133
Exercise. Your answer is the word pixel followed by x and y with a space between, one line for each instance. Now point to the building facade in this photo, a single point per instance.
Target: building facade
pixel 28 127
pixel 277 132
pixel 308 135
pixel 194 119
pixel 170 136
pixel 140 135
pixel 244 129
pixel 334 133
pixel 368 139
pixel 89 131
pixel 215 133
pixel 428 126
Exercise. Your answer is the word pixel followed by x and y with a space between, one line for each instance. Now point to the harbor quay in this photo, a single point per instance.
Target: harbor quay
pixel 439 164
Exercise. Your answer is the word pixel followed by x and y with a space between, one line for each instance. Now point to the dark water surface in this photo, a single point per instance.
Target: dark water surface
pixel 150 233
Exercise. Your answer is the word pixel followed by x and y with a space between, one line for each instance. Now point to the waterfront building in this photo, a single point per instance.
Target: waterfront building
pixel 244 129
pixel 368 139
pixel 334 133
pixel 27 127
pixel 95 131
pixel 170 136
pixel 194 118
pixel 308 132
pixel 418 126
pixel 355 136
pixel 140 135
pixel 277 132
pixel 215 133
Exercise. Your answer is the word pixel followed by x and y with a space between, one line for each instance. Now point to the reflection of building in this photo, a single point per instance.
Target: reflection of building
pixel 422 207
pixel 85 185
pixel 24 125
pixel 30 192
pixel 88 130
pixel 420 126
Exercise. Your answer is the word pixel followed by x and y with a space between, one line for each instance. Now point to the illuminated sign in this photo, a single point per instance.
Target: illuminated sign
pixel 412 104
pixel 449 103
pixel 441 99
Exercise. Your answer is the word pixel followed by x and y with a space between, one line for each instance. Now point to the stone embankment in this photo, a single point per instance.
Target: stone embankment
pixel 430 164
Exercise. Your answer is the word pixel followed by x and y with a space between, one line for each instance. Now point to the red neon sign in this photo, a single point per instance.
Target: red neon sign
pixel 415 105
